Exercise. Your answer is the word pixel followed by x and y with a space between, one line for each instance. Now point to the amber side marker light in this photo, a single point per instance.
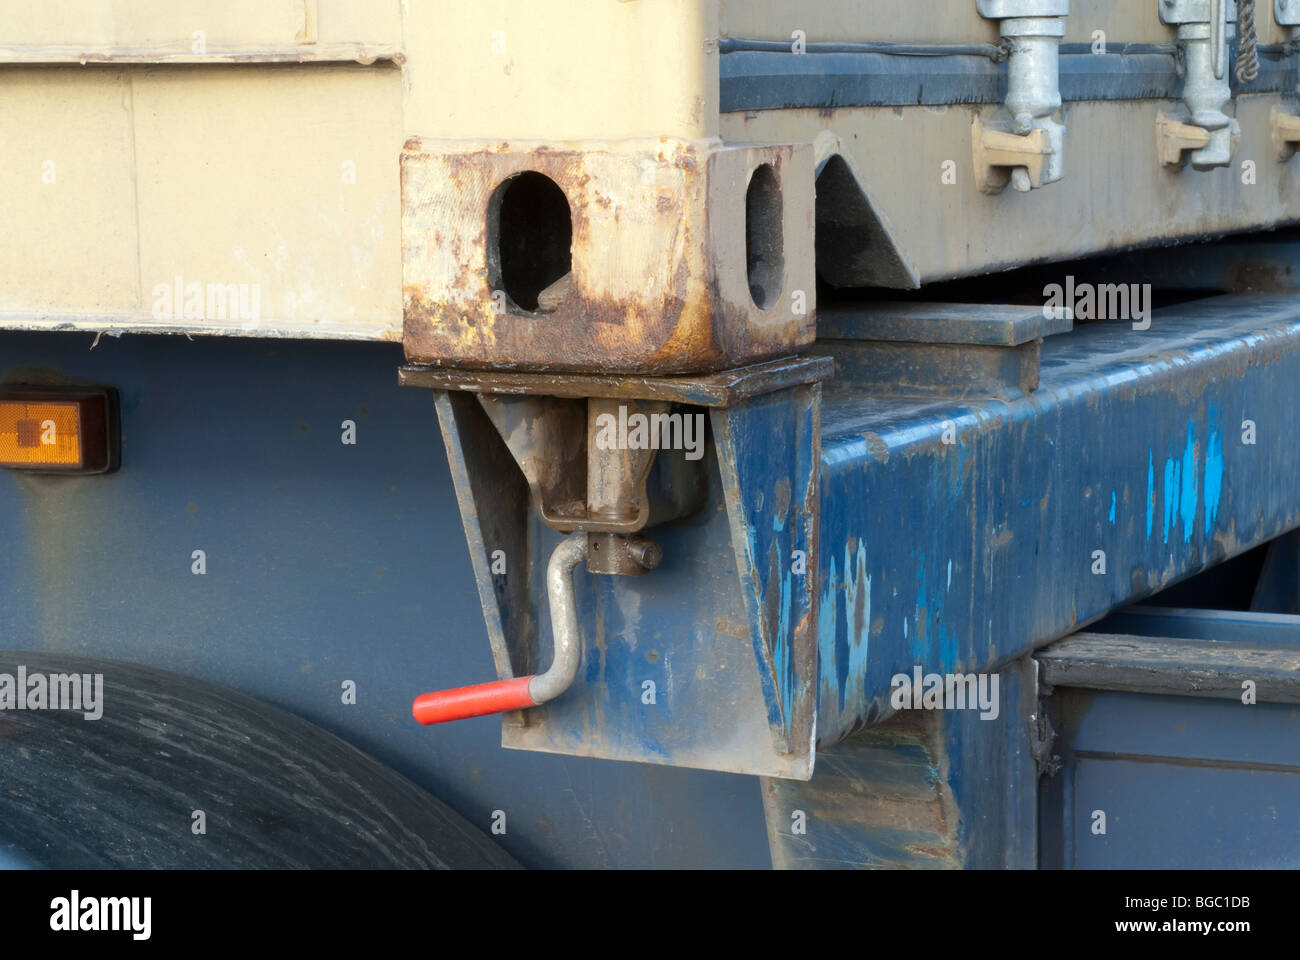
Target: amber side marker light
pixel 67 430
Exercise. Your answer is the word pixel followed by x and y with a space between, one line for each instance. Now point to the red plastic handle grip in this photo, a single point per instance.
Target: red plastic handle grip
pixel 476 701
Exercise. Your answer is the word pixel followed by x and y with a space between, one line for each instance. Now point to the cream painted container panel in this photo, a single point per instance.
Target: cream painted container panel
pixel 280 179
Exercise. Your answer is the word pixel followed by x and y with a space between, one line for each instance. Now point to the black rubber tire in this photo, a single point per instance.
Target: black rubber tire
pixel 276 790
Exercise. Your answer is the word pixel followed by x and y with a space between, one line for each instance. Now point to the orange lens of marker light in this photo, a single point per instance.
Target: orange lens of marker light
pixel 58 431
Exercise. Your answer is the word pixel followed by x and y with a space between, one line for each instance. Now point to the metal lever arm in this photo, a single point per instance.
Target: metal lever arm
pixel 522 692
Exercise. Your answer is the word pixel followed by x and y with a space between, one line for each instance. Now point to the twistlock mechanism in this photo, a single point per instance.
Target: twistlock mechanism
pixel 610 330
pixel 592 480
pixel 709 480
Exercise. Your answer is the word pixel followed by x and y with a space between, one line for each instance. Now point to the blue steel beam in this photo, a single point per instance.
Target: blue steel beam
pixel 956 535
pixel 959 536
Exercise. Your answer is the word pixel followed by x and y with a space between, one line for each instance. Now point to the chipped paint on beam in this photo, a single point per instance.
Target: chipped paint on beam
pixel 1021 503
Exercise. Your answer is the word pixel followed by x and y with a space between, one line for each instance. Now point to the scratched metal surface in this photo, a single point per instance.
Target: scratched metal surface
pixel 925 790
pixel 722 628
pixel 325 562
pixel 961 556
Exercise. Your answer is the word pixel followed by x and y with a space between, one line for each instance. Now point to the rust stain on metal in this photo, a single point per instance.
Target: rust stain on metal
pixel 658 258
pixel 877 446
pixel 722 389
pixel 886 782
pixel 1260 276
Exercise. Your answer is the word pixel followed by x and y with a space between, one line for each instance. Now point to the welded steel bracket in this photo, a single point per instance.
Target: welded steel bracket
pixel 548 438
pixel 711 660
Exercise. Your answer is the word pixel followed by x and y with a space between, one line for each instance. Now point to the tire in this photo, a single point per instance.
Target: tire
pixel 275 790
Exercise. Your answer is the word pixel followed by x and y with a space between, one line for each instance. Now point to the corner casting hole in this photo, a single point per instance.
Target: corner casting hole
pixel 764 243
pixel 530 233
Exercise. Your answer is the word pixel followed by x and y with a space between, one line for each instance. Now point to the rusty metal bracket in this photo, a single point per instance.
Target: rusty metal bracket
pixel 637 256
pixel 725 388
pixel 746 563
pixel 550 422
pixel 574 488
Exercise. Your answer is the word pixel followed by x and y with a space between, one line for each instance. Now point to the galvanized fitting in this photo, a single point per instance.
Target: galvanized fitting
pixel 1032 31
pixel 1284 124
pixel 1034 87
pixel 565 637
pixel 1204 29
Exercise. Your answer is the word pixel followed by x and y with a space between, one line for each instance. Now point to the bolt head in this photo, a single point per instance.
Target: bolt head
pixel 647 553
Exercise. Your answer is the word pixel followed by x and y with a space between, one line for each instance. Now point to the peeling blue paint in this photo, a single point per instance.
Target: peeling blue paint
pixel 1180 488
pixel 832 643
pixel 1151 490
pixel 782 656
pixel 843 650
pixel 1169 504
pixel 1187 498
pixel 857 598
pixel 1013 583
pixel 1213 471
pixel 922 612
